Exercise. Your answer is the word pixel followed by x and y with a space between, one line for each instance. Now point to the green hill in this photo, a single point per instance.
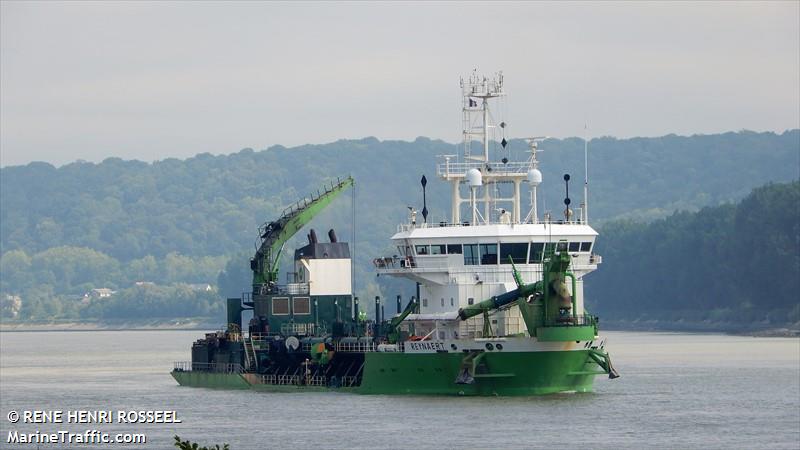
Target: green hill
pixel 65 230
pixel 719 268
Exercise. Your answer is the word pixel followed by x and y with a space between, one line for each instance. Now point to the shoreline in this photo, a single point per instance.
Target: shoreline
pixel 209 324
pixel 151 325
pixel 787 330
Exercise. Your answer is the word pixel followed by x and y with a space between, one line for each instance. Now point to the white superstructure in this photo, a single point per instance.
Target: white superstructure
pixel 466 260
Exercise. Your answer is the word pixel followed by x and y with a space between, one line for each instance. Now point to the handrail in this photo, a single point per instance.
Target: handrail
pixel 443 224
pixel 572 321
pixel 497 168
pixel 189 366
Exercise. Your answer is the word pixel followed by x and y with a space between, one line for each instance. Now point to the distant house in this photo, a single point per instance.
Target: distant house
pixel 10 306
pixel 99 293
pixel 144 283
pixel 201 287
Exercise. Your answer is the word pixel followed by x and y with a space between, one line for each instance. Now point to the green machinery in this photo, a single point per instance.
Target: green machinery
pixel 547 306
pixel 392 328
pixel 273 235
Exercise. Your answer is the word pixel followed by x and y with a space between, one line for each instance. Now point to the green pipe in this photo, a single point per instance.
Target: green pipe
pixel 574 294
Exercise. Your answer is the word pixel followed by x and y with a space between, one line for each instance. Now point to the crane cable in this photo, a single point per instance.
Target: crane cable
pixel 353 240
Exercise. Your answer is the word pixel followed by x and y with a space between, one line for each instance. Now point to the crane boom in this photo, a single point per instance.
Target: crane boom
pixel 392 333
pixel 273 235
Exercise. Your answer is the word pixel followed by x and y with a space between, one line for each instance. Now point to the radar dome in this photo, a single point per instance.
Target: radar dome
pixel 534 177
pixel 474 178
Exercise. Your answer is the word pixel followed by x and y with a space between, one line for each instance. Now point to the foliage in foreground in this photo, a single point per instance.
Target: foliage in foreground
pixel 186 445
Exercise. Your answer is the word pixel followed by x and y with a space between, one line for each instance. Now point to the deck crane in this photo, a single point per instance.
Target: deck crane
pixel 273 235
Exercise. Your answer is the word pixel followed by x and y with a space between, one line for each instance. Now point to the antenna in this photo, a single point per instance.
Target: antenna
pixel 585 174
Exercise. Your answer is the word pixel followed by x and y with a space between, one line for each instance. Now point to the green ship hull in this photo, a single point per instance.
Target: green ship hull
pixel 502 374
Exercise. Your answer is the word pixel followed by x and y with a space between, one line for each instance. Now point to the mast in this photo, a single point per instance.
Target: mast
pixel 534 177
pixel 477 125
pixel 493 180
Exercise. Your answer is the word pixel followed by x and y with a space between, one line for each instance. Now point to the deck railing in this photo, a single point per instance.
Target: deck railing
pixel 572 321
pixel 189 366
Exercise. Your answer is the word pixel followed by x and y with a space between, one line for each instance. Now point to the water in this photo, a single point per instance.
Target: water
pixel 676 391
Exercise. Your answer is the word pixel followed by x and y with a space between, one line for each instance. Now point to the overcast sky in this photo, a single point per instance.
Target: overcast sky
pixel 149 81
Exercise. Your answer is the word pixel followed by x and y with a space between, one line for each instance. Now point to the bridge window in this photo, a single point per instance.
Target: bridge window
pixel 301 305
pixel 422 250
pixel 535 256
pixel 437 249
pixel 586 246
pixel 549 248
pixel 280 306
pixel 453 249
pixel 562 246
pixel 488 254
pixel 471 254
pixel 517 251
pixel 574 246
pixel 401 250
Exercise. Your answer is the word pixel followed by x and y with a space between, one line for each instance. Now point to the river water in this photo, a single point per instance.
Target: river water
pixel 676 391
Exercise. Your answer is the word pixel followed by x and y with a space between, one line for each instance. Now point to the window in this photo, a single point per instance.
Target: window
pixel 535 256
pixel 422 250
pixel 454 249
pixel 401 250
pixel 586 246
pixel 425 302
pixel 301 305
pixel 562 246
pixel 488 254
pixel 442 301
pixel 574 246
pixel 516 251
pixel 470 301
pixel 549 249
pixel 451 301
pixel 437 249
pixel 471 254
pixel 280 306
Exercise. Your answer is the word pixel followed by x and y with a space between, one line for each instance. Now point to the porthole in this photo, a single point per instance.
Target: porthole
pixel 453 346
pixel 499 346
pixel 489 346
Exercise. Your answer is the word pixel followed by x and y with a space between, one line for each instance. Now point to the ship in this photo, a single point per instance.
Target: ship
pixel 498 308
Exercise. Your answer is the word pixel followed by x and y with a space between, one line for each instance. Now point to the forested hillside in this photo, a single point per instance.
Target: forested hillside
pixel 67 230
pixel 723 266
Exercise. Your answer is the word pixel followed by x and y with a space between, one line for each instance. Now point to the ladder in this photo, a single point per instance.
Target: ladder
pixel 248 343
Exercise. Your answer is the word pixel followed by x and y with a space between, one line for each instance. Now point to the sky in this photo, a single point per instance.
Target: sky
pixel 153 80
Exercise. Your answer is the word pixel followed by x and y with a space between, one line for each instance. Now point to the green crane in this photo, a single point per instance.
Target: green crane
pixel 273 235
pixel 392 332
pixel 552 290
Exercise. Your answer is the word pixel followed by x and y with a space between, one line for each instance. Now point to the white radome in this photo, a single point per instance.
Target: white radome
pixel 474 177
pixel 534 177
